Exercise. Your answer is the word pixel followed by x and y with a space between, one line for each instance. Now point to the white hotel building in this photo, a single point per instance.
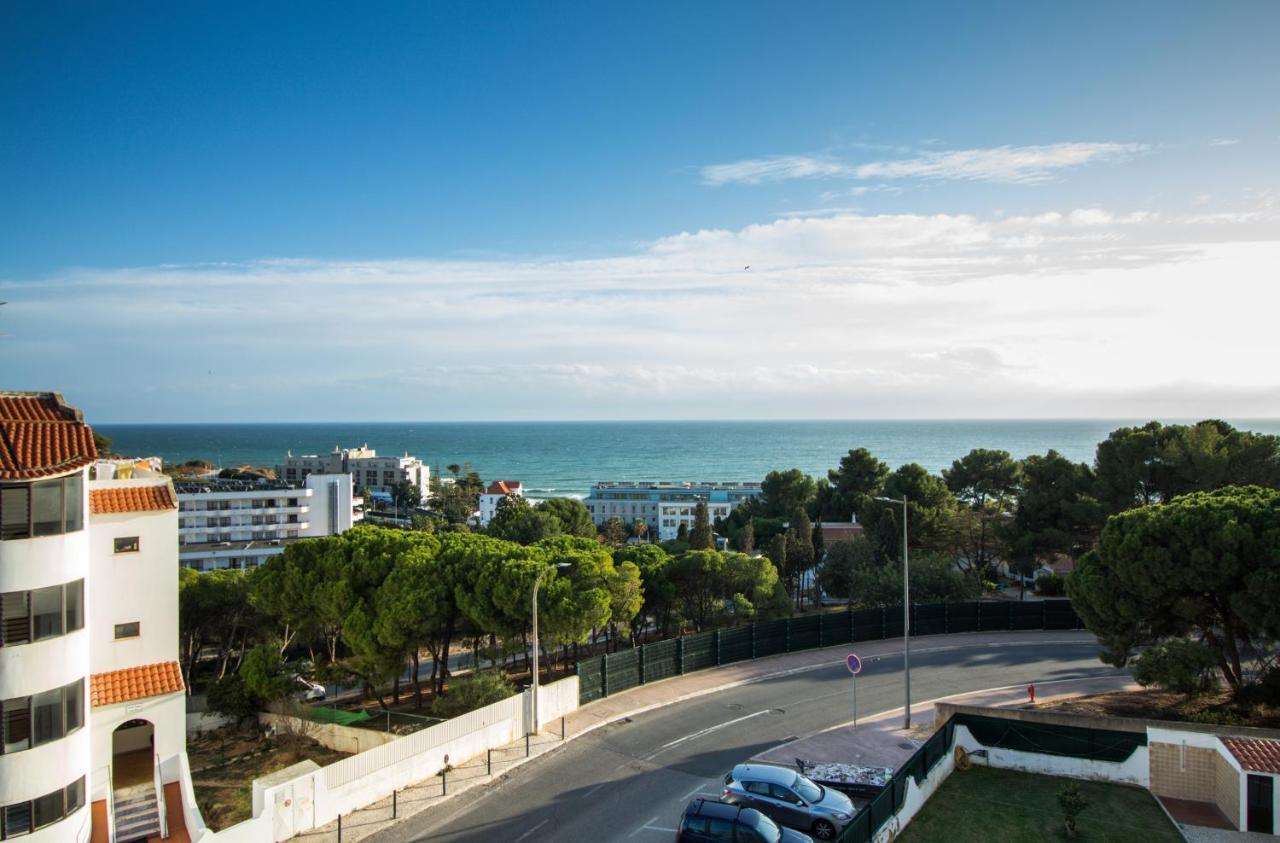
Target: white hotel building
pixel 369 472
pixel 665 505
pixel 241 523
pixel 92 703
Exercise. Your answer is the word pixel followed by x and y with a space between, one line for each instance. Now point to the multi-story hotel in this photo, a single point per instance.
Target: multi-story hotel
pixel 92 709
pixel 665 505
pixel 369 472
pixel 240 523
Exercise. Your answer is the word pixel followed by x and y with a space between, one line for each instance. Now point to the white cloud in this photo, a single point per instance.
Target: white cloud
pixel 776 168
pixel 1077 312
pixel 1010 164
pixel 1013 164
pixel 1224 142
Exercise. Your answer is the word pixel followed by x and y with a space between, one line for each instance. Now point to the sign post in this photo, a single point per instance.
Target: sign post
pixel 855 667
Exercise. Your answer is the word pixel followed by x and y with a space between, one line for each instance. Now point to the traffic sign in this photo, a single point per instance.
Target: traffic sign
pixel 853 663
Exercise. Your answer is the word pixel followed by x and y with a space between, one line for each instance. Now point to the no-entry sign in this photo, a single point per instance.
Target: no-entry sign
pixel 853 663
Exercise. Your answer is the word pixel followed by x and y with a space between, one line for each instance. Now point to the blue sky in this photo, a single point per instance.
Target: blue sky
pixel 514 208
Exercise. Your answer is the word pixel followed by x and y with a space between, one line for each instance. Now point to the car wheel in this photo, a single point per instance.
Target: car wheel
pixel 824 830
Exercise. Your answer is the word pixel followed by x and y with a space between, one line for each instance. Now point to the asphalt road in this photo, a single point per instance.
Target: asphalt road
pixel 630 781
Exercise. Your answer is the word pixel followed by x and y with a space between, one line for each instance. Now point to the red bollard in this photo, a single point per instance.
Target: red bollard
pixel 1031 692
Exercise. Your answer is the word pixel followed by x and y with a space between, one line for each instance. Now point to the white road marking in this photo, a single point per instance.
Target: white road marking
pixel 693 792
pixel 644 827
pixel 594 789
pixel 535 828
pixel 703 732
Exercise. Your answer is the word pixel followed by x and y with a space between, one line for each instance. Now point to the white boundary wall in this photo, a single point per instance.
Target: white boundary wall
pixel 318 798
pixel 1134 770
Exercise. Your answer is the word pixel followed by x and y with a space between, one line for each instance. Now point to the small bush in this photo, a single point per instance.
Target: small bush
pixel 1073 803
pixel 472 692
pixel 1179 665
pixel 1050 585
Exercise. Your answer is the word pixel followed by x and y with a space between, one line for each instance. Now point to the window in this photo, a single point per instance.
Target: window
pixel 46 612
pixel 48 809
pixel 16 724
pixel 695 825
pixel 17 819
pixel 719 829
pixel 43 508
pixel 73 705
pixel 760 788
pixel 21 818
pixel 15 618
pixel 126 544
pixel 128 630
pixel 46 717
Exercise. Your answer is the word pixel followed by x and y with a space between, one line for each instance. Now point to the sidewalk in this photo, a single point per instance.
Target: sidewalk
pixel 881 741
pixel 474 772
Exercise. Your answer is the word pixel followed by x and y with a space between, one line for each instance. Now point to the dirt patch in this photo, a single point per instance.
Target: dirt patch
pixel 224 763
pixel 1215 708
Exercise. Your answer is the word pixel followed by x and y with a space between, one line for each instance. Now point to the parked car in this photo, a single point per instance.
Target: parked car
pixel 709 820
pixel 308 691
pixel 789 799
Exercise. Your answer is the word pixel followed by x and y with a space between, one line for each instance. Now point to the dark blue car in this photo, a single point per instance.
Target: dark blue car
pixel 713 821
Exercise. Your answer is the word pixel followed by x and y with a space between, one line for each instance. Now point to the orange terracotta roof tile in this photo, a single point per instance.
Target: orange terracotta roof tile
pixel 135 683
pixel 40 436
pixel 1255 754
pixel 132 499
pixel 504 487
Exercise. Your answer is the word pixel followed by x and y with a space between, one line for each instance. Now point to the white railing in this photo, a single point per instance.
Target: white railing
pixel 159 786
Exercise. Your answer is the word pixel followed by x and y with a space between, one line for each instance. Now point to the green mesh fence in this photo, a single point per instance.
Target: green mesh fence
pixel 601 676
pixel 338 716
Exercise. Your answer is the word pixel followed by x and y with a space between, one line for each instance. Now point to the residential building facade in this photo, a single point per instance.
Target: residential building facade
pixel 92 709
pixel 369 472
pixel 241 523
pixel 498 491
pixel 666 505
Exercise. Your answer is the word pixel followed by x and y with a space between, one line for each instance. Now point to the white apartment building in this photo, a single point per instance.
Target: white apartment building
pixel 92 709
pixel 665 505
pixel 369 472
pixel 240 523
pixel 498 491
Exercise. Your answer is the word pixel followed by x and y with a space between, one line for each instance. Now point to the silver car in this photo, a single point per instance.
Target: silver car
pixel 789 798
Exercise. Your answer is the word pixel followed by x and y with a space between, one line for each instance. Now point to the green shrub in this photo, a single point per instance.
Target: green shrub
pixel 471 692
pixel 230 698
pixel 1073 803
pixel 1179 664
pixel 1050 585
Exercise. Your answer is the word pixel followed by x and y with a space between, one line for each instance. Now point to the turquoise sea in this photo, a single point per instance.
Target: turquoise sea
pixel 564 458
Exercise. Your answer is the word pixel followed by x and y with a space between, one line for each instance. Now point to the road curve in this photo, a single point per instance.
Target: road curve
pixel 629 781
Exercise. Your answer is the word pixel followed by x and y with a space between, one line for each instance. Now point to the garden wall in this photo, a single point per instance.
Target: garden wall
pixel 316 799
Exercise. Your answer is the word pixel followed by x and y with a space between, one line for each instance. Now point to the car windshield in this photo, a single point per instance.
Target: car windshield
pixel 766 829
pixel 808 791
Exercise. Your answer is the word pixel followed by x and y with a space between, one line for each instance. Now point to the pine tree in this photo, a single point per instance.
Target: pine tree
pixel 747 538
pixel 701 537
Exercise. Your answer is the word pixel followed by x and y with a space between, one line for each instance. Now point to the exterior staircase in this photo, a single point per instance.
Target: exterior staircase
pixel 137 813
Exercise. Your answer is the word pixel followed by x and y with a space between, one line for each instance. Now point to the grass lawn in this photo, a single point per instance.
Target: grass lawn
pixel 982 804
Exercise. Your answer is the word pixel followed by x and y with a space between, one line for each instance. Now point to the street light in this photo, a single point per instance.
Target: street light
pixel 537 583
pixel 906 610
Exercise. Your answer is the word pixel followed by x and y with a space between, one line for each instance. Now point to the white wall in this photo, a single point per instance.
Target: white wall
pixel 916 796
pixel 168 714
pixel 361 780
pixel 318 517
pixel 129 587
pixel 1135 770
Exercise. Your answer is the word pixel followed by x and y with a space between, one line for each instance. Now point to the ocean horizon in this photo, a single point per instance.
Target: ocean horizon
pixel 563 458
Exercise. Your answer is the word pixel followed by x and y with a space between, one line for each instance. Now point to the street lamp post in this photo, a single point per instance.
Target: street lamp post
pixel 537 582
pixel 906 611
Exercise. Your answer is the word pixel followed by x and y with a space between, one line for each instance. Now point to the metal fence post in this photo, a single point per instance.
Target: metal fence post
pixel 680 656
pixel 339 828
pixel 444 777
pixel 946 618
pixel 526 744
pixel 853 633
pixel 562 727
pixel 604 675
pixel 394 806
pixel 716 637
pixel 640 664
pixel 786 635
pixel 488 762
pixel 754 628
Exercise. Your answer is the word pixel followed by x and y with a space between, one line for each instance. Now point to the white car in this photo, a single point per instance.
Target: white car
pixel 309 691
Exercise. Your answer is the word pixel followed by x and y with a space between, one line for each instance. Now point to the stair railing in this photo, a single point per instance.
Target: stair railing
pixel 159 786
